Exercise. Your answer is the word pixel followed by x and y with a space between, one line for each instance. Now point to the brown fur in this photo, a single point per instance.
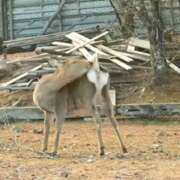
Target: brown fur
pixel 68 89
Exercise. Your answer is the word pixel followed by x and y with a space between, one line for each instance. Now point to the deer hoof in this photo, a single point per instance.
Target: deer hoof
pixel 54 154
pixel 124 150
pixel 101 153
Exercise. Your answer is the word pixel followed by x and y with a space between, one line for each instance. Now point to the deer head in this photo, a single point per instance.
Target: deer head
pixel 95 62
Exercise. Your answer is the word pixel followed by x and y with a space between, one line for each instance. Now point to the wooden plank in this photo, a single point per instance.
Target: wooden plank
pixel 30 113
pixel 73 38
pixel 16 88
pixel 41 39
pixel 62 44
pixel 22 75
pixel 84 51
pixel 114 60
pixel 119 55
pixel 145 44
pixel 131 49
pixel 121 64
pixel 11 114
pixel 137 110
pixel 108 50
pixel 38 58
pixel 137 57
pixel 87 42
pixel 173 66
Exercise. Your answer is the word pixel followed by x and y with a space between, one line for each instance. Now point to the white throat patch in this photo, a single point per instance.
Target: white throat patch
pixel 98 78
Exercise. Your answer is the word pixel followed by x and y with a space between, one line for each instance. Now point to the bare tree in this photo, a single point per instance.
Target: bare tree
pixel 152 20
pixel 125 16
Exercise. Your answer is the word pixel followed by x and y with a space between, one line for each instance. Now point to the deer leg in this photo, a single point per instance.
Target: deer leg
pixel 110 114
pixel 60 117
pixel 98 130
pixel 47 117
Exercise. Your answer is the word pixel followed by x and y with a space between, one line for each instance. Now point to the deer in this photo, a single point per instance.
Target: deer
pixel 77 83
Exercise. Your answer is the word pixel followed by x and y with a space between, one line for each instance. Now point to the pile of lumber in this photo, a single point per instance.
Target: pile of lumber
pixel 135 54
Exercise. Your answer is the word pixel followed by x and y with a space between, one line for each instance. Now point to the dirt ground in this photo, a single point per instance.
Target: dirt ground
pixel 154 146
pixel 154 152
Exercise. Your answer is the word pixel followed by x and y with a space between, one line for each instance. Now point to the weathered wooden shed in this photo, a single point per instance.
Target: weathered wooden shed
pixel 22 18
pixel 28 18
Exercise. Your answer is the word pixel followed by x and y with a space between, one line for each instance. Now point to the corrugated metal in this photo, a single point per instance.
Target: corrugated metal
pixel 29 17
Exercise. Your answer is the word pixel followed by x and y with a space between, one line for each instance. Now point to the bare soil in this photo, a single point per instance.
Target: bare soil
pixel 154 152
pixel 154 146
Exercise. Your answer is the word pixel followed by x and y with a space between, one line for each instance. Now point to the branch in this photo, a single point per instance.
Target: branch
pixel 45 28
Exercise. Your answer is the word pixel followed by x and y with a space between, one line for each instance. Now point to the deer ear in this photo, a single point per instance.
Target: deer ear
pixel 94 58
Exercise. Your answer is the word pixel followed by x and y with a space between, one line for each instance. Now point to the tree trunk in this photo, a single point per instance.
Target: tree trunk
pixel 155 28
pixel 156 37
pixel 124 15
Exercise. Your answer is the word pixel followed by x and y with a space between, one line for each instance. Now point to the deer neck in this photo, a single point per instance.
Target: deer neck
pixel 98 78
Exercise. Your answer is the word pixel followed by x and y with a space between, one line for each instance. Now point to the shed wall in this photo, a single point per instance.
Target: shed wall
pixel 29 17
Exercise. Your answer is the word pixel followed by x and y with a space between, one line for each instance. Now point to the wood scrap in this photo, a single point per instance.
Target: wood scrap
pixel 72 36
pixel 32 113
pixel 62 44
pixel 131 49
pixel 135 42
pixel 144 44
pixel 116 61
pixel 22 75
pixel 84 51
pixel 173 66
pixel 34 59
pixel 120 63
pixel 137 56
pixel 104 48
pixel 142 110
pixel 117 54
pixel 65 44
pixel 87 42
pixel 41 39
